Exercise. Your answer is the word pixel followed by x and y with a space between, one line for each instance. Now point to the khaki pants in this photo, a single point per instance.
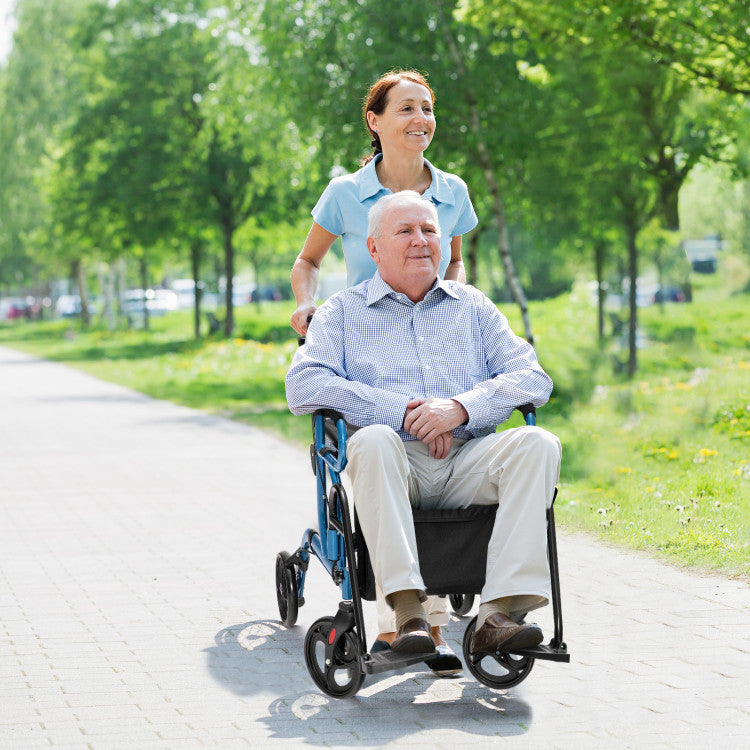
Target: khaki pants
pixel 518 469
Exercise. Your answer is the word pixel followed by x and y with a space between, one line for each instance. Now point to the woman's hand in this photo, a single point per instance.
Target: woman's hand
pixel 301 317
pixel 304 276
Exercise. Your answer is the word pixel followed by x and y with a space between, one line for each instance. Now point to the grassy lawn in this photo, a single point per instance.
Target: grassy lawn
pixel 659 463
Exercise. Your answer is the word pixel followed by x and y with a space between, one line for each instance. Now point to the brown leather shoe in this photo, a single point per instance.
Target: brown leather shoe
pixel 413 638
pixel 500 633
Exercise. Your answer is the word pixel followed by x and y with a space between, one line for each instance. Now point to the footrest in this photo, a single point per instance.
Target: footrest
pixel 386 661
pixel 550 653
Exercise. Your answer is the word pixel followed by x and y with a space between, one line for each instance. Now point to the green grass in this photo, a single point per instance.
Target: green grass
pixel 659 463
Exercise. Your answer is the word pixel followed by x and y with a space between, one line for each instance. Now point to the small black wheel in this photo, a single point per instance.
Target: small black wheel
pixel 344 676
pixel 498 670
pixel 286 590
pixel 461 603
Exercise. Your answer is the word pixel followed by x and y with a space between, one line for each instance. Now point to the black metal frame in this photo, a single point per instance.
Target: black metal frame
pixel 350 612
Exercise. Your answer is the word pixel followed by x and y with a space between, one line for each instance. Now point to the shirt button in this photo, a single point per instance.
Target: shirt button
pixel 421 338
pixel 426 367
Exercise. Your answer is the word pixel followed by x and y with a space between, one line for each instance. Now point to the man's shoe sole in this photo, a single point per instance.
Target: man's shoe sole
pixel 414 644
pixel 446 663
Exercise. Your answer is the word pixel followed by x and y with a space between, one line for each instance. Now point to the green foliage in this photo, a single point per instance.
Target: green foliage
pixel 733 419
pixel 644 467
pixel 266 323
pixel 703 41
pixel 38 90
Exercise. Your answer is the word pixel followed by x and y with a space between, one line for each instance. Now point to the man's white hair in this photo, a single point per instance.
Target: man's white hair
pixel 396 200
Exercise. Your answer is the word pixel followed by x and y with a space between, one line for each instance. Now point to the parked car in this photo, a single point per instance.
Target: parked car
pixel 68 306
pixel 156 301
pixel 21 307
pixel 242 294
pixel 185 291
pixel 265 294
pixel 162 301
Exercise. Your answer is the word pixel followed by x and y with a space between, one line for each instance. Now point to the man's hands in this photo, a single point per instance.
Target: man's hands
pixel 433 420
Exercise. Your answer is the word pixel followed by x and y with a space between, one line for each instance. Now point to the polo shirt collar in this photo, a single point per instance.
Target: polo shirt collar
pixel 369 184
pixel 377 289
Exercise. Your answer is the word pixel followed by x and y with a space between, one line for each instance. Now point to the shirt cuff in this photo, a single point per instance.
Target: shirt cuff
pixel 390 409
pixel 475 403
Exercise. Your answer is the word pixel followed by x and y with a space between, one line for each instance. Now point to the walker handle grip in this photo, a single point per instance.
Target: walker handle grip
pixel 529 413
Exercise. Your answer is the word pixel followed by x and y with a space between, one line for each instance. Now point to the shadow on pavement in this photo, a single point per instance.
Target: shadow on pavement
pixel 263 657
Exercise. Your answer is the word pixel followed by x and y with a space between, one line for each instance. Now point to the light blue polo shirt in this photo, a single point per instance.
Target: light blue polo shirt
pixel 345 203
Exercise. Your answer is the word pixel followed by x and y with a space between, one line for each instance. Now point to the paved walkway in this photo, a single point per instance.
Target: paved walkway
pixel 137 543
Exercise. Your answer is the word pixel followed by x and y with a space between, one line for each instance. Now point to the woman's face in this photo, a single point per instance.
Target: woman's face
pixel 408 120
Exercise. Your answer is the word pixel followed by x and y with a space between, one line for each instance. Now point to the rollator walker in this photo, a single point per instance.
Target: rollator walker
pixel 452 548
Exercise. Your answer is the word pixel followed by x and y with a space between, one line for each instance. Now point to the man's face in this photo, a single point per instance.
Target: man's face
pixel 408 249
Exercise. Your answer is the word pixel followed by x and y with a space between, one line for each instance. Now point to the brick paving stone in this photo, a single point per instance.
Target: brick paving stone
pixel 137 543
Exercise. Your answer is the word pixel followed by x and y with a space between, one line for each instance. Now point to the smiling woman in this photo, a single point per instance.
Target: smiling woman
pixel 399 116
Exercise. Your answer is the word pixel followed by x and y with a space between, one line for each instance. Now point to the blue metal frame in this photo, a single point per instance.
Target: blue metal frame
pixel 326 543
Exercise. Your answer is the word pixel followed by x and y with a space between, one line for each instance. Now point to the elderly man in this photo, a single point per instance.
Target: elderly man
pixel 427 369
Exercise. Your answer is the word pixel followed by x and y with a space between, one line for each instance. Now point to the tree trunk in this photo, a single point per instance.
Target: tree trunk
pixel 632 232
pixel 471 259
pixel 120 285
pixel 600 292
pixel 229 271
pixel 195 260
pixel 485 161
pixel 669 192
pixel 255 265
pixel 143 269
pixel 107 287
pixel 80 277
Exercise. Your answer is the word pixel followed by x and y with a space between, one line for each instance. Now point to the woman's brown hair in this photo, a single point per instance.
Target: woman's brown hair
pixel 377 100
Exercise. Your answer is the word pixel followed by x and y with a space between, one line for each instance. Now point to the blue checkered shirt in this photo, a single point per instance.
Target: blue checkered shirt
pixel 371 350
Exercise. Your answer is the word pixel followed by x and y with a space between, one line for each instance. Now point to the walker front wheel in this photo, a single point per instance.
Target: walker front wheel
pixel 343 676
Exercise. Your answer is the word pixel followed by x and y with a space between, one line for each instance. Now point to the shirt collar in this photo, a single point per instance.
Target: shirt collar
pixel 439 189
pixel 377 289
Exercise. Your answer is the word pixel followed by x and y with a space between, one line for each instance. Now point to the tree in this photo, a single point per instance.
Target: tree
pixel 252 153
pixel 38 89
pixel 705 41
pixel 125 182
pixel 170 141
pixel 644 126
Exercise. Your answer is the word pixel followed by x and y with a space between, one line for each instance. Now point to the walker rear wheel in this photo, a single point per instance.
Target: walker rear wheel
pixel 286 590
pixel 499 670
